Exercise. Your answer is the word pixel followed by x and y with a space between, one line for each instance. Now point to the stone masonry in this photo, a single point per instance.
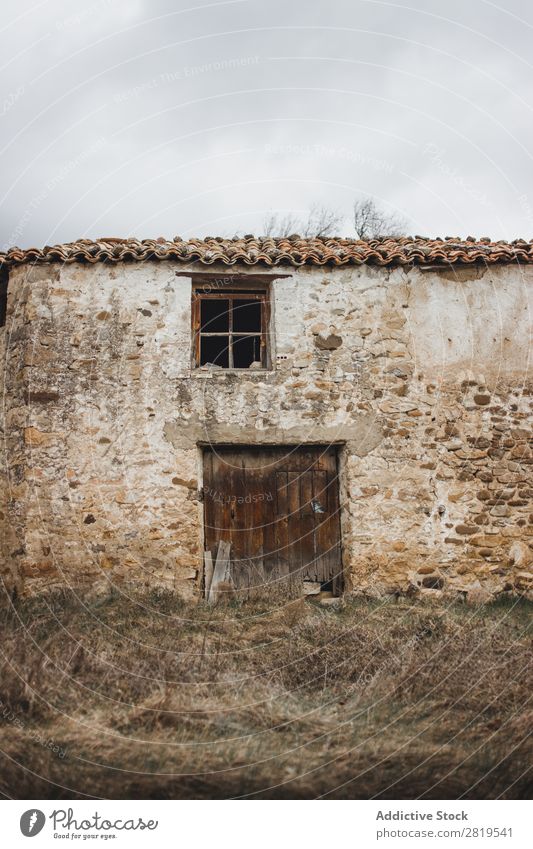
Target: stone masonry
pixel 420 376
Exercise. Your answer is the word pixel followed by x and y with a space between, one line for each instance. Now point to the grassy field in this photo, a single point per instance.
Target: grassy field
pixel 147 697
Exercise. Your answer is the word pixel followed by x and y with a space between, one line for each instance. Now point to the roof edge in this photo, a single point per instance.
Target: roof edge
pixel 290 251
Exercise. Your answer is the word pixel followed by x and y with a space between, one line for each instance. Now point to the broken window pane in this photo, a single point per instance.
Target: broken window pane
pixel 215 350
pixel 214 317
pixel 247 316
pixel 246 350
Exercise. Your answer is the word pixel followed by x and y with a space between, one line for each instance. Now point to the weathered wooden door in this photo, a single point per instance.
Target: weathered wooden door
pixel 279 510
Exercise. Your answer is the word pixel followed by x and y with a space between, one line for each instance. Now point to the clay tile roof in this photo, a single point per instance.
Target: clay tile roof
pixel 290 251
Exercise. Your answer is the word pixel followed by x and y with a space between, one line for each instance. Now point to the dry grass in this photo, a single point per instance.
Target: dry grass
pixel 147 697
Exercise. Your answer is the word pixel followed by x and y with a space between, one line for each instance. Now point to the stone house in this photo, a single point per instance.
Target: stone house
pixel 337 415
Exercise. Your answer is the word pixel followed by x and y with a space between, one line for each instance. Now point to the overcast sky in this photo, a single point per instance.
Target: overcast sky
pixel 163 118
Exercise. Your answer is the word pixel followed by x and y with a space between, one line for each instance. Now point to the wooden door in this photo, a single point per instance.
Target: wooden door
pixel 279 510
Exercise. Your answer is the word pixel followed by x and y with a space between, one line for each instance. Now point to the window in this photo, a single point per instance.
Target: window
pixel 4 277
pixel 230 327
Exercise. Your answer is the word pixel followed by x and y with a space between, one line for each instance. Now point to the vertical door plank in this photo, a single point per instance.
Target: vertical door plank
pixel 269 512
pixel 255 519
pixel 295 546
pixel 237 498
pixel 221 572
pixel 220 499
pixel 209 510
pixel 307 526
pixel 282 528
pixel 336 572
pixel 208 573
pixel 321 511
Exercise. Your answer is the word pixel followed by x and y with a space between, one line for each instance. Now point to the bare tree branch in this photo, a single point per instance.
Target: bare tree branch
pixel 280 226
pixel 372 222
pixel 320 222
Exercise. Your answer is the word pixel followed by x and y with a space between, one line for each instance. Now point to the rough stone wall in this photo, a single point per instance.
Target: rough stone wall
pixel 14 490
pixel 422 377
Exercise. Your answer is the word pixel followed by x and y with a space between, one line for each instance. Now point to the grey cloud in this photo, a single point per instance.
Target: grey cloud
pixel 137 118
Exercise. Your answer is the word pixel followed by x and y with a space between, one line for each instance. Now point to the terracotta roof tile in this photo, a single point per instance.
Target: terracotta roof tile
pixel 291 251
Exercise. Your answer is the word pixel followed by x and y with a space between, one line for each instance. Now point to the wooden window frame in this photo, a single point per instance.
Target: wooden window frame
pixel 247 290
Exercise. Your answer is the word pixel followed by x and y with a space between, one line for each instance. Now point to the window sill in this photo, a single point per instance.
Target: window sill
pixel 210 373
